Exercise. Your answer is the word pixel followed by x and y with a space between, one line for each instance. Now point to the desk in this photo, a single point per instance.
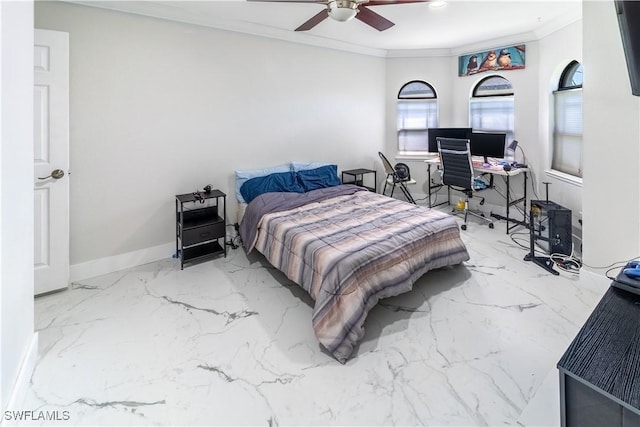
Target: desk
pixel 492 172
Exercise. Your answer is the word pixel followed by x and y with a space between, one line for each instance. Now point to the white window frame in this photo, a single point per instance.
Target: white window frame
pixel 567 143
pixel 490 100
pixel 413 129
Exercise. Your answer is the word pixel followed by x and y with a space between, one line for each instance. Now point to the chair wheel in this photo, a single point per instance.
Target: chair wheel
pixel 490 225
pixel 463 226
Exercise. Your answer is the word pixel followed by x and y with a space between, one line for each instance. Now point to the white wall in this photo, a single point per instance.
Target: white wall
pixel 159 108
pixel 16 191
pixel 559 48
pixel 611 196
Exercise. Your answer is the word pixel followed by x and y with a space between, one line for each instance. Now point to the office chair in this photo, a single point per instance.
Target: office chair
pixel 457 173
pixel 394 178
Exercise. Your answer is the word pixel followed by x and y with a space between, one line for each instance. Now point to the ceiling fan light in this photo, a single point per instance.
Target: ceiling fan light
pixel 343 10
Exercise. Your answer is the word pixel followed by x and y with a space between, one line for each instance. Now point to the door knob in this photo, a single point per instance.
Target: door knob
pixel 55 174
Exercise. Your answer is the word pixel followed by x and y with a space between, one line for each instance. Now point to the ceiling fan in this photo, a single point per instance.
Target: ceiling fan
pixel 344 10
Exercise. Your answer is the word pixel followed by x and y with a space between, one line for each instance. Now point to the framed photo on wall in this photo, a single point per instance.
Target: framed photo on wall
pixel 503 58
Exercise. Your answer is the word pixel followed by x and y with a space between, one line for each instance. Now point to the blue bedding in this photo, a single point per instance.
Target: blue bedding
pixel 300 181
pixel 272 183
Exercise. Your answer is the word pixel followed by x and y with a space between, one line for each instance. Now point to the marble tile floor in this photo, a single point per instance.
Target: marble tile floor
pixel 229 342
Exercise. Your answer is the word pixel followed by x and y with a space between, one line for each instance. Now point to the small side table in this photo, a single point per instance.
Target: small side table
pixel 200 225
pixel 356 176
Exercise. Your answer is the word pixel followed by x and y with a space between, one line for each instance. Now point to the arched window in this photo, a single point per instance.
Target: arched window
pixel 491 106
pixel 567 129
pixel 417 111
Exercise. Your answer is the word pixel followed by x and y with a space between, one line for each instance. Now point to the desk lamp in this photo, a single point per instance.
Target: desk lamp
pixel 510 153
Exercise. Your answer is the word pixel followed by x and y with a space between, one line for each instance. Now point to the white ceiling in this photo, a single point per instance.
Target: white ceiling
pixel 461 25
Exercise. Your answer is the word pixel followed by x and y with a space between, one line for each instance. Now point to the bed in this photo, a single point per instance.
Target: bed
pixel 348 248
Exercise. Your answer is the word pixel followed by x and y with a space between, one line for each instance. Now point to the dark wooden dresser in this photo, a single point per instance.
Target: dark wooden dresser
pixel 600 371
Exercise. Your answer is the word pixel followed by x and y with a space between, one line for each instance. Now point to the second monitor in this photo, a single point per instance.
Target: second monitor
pixel 487 144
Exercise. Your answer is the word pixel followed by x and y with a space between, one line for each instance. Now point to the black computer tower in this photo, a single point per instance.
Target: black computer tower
pixel 551 227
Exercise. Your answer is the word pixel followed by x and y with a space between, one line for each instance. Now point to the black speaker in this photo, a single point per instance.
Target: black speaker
pixel 552 227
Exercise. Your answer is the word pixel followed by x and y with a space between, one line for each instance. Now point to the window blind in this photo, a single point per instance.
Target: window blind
pixel 414 118
pixel 492 115
pixel 567 132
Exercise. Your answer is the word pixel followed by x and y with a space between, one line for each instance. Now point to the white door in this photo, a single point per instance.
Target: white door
pixel 51 160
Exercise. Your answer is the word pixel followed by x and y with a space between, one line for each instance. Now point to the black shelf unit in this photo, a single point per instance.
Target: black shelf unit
pixel 200 226
pixel 356 176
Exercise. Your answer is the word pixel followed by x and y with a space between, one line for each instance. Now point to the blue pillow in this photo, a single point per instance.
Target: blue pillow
pixel 275 182
pixel 322 177
pixel 243 176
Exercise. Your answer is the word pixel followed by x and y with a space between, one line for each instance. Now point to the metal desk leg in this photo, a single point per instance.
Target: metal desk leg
pixel 438 186
pixel 524 211
pixel 510 203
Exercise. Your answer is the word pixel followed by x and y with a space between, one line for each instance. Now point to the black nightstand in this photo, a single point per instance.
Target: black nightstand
pixel 356 176
pixel 200 225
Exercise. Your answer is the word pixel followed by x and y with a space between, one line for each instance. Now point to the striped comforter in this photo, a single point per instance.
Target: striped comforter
pixel 350 250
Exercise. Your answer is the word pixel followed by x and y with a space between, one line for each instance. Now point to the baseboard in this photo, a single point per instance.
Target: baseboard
pixel 21 385
pixel 110 264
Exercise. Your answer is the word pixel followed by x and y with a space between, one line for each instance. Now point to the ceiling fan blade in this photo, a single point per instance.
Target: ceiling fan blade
pixel 290 1
pixel 315 20
pixel 383 2
pixel 369 17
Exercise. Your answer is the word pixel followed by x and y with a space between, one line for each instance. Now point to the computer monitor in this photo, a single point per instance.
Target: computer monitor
pixel 457 133
pixel 488 144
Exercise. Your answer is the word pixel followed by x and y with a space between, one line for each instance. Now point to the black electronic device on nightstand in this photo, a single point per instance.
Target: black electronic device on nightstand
pixel 629 278
pixel 200 225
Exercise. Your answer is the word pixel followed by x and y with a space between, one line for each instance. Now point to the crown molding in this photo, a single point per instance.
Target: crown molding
pixel 417 53
pixel 494 43
pixel 243 28
pixel 557 25
pixel 258 30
